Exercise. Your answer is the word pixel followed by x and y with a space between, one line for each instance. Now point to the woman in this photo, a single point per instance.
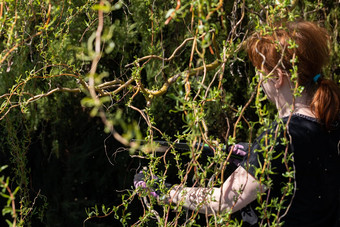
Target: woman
pixel 304 144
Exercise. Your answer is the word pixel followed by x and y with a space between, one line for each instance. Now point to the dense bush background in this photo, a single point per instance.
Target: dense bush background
pixel 80 79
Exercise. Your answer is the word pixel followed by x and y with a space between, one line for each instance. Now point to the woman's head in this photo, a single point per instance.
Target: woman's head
pixel 304 45
pixel 311 52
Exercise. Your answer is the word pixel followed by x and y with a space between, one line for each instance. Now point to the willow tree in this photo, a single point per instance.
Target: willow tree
pixel 149 70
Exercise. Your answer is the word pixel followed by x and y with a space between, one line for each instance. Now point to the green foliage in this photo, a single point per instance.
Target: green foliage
pixel 142 70
pixel 6 193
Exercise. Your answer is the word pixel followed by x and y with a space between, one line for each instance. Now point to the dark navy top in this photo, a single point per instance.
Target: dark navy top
pixel 314 173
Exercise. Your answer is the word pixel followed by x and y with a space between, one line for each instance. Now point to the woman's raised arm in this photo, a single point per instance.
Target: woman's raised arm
pixel 237 191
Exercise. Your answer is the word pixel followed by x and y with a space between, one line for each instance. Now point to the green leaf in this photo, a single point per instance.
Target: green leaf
pixel 7 210
pixel 87 102
pixel 106 8
pixel 168 14
pixel 117 5
pixel 5 195
pixel 10 224
pixel 3 167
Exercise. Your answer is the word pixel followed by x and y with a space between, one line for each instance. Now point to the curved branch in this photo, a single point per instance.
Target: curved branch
pixel 173 79
pixel 172 55
pixel 72 90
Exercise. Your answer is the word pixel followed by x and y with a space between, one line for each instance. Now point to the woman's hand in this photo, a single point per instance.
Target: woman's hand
pixel 152 185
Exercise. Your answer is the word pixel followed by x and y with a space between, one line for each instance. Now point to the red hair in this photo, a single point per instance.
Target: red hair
pixel 270 50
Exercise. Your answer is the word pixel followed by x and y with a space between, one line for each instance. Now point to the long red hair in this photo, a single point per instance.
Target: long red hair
pixel 269 50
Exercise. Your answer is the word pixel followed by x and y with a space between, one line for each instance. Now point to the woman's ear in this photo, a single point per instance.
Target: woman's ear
pixel 280 78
